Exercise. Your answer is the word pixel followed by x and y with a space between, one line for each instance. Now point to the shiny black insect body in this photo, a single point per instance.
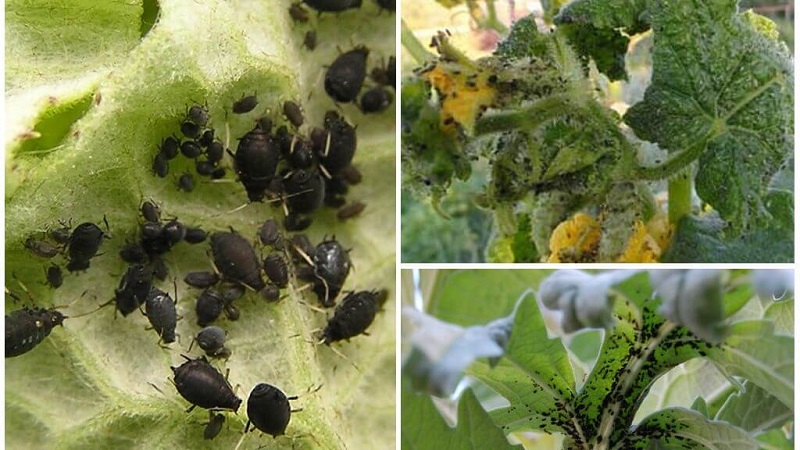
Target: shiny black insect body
pixel 151 212
pixel 214 426
pixel 215 152
pixel 271 292
pixel 232 312
pixel 236 259
pixel 195 235
pixel 42 249
pixel 333 5
pixel 186 182
pixel 209 306
pixel 160 165
pixel 354 315
pixel 255 162
pixel 305 191
pixel 212 340
pixel 190 129
pixel 268 410
pixel 204 168
pixel 340 145
pixel 269 234
pixel 134 287
pixel 133 253
pixel 375 100
pixel 350 211
pixel 345 76
pixel 293 113
pixel 28 327
pixel 191 149
pixel 202 385
pixel 301 154
pixel 387 4
pixel 174 232
pixel 331 267
pixel 169 147
pixel 206 139
pixel 276 269
pixel 160 310
pixel 245 104
pixel 201 279
pixel 84 243
pixel 297 13
pixel 198 115
pixel 55 278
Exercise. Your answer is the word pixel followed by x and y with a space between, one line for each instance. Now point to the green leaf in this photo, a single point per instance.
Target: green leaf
pixel 90 379
pixel 424 428
pixel 753 351
pixel 782 315
pixel 774 440
pixel 688 430
pixel 719 82
pixel 628 15
pixel 702 239
pixel 699 405
pixel 754 410
pixel 522 246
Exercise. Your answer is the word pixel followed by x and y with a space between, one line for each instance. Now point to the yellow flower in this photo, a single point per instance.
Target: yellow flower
pixel 464 92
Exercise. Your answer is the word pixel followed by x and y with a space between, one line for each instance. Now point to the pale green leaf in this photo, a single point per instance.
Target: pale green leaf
pixel 754 410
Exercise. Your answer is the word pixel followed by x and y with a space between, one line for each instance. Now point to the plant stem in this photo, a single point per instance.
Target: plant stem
pixel 675 163
pixel 680 197
pixel 413 45
pixel 526 119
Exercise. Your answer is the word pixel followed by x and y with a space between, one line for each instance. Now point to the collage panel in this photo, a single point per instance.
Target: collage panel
pixel 200 224
pixel 597 131
pixel 587 359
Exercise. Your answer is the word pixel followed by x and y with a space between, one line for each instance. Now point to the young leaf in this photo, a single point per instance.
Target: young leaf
pixel 754 410
pixel 688 430
pixel 723 86
pixel 424 428
pixel 753 351
pixel 782 315
pixel 692 298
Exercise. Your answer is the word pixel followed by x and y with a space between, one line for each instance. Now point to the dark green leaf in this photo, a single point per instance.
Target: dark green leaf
pixel 722 81
pixel 687 429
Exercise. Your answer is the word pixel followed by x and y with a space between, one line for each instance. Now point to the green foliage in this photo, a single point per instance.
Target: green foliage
pixel 102 98
pixel 649 370
pixel 720 98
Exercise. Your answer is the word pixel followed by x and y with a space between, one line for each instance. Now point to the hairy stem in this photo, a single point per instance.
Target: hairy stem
pixel 680 197
pixel 674 164
pixel 414 46
pixel 528 119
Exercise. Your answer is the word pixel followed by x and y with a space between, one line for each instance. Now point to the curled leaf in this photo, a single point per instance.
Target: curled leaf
pixel 581 297
pixel 441 351
pixel 692 298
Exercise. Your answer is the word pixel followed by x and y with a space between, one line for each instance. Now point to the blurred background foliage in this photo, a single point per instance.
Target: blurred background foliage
pixel 460 231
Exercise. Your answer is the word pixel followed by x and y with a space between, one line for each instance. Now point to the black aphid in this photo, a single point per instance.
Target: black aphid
pixel 333 5
pixel 204 168
pixel 160 311
pixel 159 267
pixel 265 124
pixel 351 174
pixel 268 410
pixel 232 312
pixel 350 211
pixel 28 327
pixel 310 40
pixel 245 104
pixel 202 385
pixel 201 279
pixel 305 191
pixel 190 129
pixel 174 232
pixel 232 294
pixel 160 165
pixel 169 147
pixel 301 248
pixel 354 315
pixel 212 341
pixel 206 139
pixel 198 115
pixel 133 253
pixel 276 269
pixel 214 426
pixel 195 235
pixel 269 234
pixel 151 212
pixel 340 144
pixel 298 13
pixel 151 230
pixel 293 113
pixel 209 306
pixel 296 222
pixel 84 243
pixel 42 249
pixel 191 149
pixel 236 259
pixel 61 234
pixel 186 182
pixel 54 276
pixel 331 267
pixel 255 162
pixel 215 152
pixel 375 100
pixel 271 293
pixel 345 76
pixel 301 154
pixel 133 289
pixel 218 173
